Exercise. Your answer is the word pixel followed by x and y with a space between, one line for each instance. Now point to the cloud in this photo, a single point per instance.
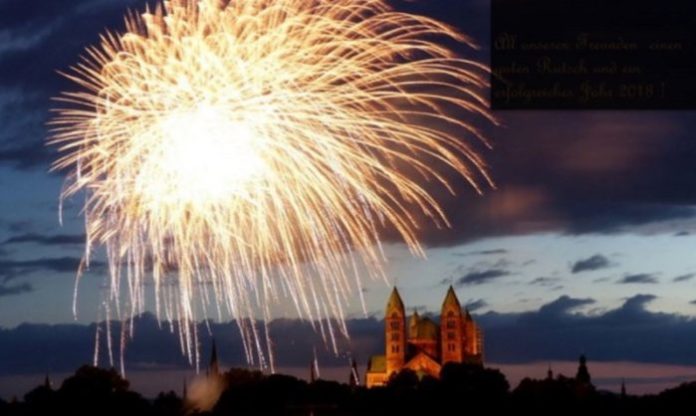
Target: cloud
pixel 545 281
pixel 681 234
pixel 446 281
pixel 23 226
pixel 481 277
pixel 563 305
pixel 154 346
pixel 638 302
pixel 555 331
pixel 15 290
pixel 47 240
pixel 30 34
pixel 27 38
pixel 551 185
pixel 684 277
pixel 474 305
pixel 638 278
pixel 485 252
pixel 595 262
pixel 26 157
pixel 10 269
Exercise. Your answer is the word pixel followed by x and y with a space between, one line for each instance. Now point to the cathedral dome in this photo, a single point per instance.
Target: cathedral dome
pixel 422 329
pixel 413 323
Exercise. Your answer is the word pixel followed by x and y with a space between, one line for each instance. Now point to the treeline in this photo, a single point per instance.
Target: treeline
pixel 461 389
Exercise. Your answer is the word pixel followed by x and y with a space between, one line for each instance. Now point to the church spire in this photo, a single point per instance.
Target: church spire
pixel 467 315
pixel 451 299
pixel 395 333
pixel 583 374
pixel 452 332
pixel 395 302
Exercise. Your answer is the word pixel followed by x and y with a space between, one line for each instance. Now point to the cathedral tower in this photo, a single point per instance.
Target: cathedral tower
pixel 422 345
pixel 472 336
pixel 395 332
pixel 452 334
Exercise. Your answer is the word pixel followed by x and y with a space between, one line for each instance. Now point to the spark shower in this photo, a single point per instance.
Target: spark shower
pixel 236 153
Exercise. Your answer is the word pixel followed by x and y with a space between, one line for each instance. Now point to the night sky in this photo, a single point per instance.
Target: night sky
pixel 587 244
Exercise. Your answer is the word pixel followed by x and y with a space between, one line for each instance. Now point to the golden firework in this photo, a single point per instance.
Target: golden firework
pixel 235 152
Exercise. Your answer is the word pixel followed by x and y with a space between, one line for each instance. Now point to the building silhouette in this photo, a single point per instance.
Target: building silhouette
pixel 422 345
pixel 214 366
pixel 583 374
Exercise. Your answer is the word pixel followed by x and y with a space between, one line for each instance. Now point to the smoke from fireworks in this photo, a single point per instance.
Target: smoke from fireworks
pixel 234 153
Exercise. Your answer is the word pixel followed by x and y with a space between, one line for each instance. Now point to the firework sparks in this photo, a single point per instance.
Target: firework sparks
pixel 239 152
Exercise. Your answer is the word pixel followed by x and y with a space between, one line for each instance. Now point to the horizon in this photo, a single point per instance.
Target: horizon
pixel 152 382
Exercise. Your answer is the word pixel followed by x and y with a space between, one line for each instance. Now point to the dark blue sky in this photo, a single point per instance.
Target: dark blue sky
pixel 587 242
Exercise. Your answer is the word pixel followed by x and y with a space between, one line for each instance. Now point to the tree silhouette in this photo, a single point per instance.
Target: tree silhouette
pixel 474 382
pixel 93 390
pixel 94 381
pixel 4 407
pixel 676 399
pixel 41 400
pixel 462 388
pixel 404 380
pixel 168 404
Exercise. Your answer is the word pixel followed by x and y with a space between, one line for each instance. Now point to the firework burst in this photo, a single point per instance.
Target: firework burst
pixel 234 153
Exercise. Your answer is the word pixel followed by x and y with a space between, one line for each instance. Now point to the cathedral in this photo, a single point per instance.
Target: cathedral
pixel 421 344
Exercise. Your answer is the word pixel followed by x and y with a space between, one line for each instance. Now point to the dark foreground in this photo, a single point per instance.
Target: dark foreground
pixel 462 389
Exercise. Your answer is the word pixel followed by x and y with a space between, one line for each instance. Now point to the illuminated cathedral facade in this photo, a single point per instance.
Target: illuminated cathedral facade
pixel 422 345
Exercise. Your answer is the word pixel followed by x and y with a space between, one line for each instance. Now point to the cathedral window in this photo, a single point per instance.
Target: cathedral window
pixel 450 324
pixel 394 348
pixel 450 335
pixel 395 336
pixel 394 325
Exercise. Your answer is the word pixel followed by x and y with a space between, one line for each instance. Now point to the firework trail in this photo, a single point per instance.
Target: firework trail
pixel 233 153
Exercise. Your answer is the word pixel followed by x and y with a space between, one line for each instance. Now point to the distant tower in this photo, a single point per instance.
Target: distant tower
pixel 214 368
pixel 395 332
pixel 184 390
pixel 354 378
pixel 549 373
pixel 479 342
pixel 47 382
pixel 452 331
pixel 623 388
pixel 583 375
pixel 473 339
pixel 413 322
